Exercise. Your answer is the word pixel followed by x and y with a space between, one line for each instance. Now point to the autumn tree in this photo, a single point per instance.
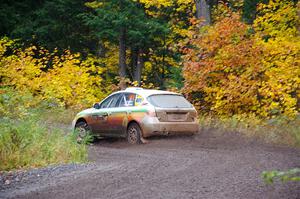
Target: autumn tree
pixel 277 31
pixel 232 71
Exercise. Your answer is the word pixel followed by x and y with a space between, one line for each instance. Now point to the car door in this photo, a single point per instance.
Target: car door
pixel 100 116
pixel 118 115
pixel 115 116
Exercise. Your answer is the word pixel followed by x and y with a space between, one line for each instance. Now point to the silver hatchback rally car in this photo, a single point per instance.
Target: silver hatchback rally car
pixel 137 113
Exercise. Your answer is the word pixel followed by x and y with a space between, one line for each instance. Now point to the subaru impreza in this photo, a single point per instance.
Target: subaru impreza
pixel 137 113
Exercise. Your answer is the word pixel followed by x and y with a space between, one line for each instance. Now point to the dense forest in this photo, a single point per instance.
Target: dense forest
pixel 241 55
pixel 233 59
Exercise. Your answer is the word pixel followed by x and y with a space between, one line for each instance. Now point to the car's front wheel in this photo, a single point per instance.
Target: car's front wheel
pixel 134 133
pixel 83 130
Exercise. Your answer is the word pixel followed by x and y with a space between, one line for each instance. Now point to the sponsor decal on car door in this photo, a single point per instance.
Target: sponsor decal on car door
pixel 118 117
pixel 100 116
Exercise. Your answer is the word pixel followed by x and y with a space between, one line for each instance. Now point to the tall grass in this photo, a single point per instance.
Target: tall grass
pixel 279 130
pixel 31 134
pixel 26 143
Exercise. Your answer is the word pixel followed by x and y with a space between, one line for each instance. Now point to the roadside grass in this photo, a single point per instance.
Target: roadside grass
pixel 58 115
pixel 280 130
pixel 36 134
pixel 26 143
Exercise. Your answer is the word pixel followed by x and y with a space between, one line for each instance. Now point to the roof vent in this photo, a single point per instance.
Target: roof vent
pixel 133 89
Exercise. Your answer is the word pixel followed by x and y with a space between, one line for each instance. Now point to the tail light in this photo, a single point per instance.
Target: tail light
pixel 151 113
pixel 193 116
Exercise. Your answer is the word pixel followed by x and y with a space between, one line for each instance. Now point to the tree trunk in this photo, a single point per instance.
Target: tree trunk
pixel 100 53
pixel 139 68
pixel 203 11
pixel 122 57
pixel 163 75
pixel 133 62
pixel 101 50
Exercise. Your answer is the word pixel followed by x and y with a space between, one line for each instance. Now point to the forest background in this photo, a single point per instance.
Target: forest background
pixel 237 61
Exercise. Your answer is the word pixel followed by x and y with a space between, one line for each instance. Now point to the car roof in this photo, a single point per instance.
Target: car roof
pixel 146 92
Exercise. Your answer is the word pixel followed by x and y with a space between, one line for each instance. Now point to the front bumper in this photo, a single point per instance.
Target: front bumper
pixel 152 126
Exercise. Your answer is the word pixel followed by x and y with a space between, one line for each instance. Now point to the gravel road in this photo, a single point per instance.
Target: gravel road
pixel 208 165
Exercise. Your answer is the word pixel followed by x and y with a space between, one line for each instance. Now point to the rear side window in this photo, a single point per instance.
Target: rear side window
pixel 127 100
pixel 169 101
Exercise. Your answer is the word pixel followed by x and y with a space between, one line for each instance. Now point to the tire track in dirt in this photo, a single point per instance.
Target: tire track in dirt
pixel 207 165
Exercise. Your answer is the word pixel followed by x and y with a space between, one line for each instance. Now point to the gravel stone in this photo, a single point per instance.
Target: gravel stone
pixel 208 165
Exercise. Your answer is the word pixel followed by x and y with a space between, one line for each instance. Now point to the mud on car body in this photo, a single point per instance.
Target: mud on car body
pixel 137 113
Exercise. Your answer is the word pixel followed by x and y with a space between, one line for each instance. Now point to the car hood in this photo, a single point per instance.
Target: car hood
pixel 85 112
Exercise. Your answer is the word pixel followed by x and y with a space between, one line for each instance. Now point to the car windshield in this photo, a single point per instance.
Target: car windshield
pixel 169 101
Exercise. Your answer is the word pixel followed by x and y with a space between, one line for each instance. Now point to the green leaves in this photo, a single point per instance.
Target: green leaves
pixel 30 136
pixel 285 176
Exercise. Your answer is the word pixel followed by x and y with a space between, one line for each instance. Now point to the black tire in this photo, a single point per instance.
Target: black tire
pixel 134 134
pixel 83 130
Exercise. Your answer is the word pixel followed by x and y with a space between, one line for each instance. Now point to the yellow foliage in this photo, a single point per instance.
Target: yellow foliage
pixel 64 79
pixel 278 18
pixel 165 3
pixel 94 4
pixel 110 61
pixel 277 33
pixel 157 3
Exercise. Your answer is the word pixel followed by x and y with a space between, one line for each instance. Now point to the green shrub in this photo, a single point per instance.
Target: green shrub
pixel 26 143
pixel 30 137
pixel 284 176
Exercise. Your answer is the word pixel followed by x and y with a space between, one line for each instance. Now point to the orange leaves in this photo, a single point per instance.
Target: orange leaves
pixel 239 73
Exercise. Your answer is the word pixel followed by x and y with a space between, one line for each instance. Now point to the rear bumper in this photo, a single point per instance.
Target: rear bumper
pixel 151 127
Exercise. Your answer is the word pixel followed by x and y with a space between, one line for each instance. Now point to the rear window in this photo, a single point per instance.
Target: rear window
pixel 169 101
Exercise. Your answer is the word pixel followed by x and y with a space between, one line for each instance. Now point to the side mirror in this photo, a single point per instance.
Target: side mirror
pixel 96 106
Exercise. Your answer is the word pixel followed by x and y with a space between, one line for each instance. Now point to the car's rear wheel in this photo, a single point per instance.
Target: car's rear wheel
pixel 134 133
pixel 83 132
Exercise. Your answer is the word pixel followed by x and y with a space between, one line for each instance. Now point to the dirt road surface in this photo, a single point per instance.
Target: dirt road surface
pixel 204 166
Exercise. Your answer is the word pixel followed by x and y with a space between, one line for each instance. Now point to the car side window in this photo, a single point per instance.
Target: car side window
pixel 106 102
pixel 127 100
pixel 115 101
